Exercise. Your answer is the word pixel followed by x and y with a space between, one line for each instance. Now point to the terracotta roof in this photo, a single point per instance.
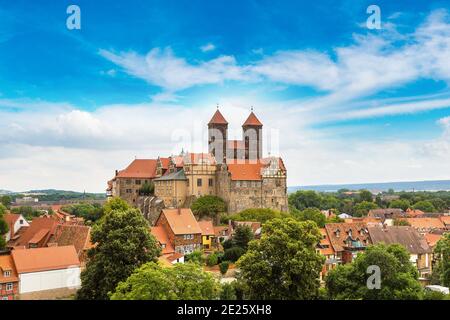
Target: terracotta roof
pixel 178 161
pixel 432 238
pixel 45 259
pixel 339 234
pixel 11 218
pixel 414 212
pixel 235 144
pixel 252 120
pixel 39 236
pixel 445 220
pixel 7 264
pixel 76 235
pixel 161 236
pixel 366 220
pixel 245 171
pixel 182 221
pixel 164 162
pixel 207 227
pixel 408 237
pixel 425 223
pixel 217 118
pixel 34 230
pixel 199 158
pixel 218 231
pixel 389 213
pixel 139 168
pixel 174 256
pixel 325 247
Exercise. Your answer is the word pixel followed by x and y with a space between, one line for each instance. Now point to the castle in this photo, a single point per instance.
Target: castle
pixel 234 170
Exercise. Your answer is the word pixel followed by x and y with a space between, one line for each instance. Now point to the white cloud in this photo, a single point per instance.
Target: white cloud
pixel 208 47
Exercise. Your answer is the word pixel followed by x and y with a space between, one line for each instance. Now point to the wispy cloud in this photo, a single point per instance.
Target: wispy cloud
pixel 208 47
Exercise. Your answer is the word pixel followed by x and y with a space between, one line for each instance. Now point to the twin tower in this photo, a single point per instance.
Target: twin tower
pixel 224 150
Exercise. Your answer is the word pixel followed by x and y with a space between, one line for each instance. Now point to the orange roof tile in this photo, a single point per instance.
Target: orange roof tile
pixel 432 238
pixel 71 234
pixel 207 227
pixel 174 256
pixel 218 118
pixel 139 168
pixel 445 220
pixel 252 120
pixel 34 229
pixel 7 264
pixel 340 232
pixel 165 162
pixel 11 218
pixel 161 236
pixel 325 242
pixel 245 171
pixel 45 259
pixel 38 236
pixel 424 223
pixel 182 221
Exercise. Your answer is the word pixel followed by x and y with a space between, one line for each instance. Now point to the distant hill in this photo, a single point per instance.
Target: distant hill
pixel 434 185
pixel 3 192
pixel 58 195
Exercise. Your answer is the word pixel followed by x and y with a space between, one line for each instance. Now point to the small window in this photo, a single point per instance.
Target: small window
pixel 210 182
pixel 21 221
pixel 199 182
pixel 9 287
pixel 128 181
pixel 7 273
pixel 138 181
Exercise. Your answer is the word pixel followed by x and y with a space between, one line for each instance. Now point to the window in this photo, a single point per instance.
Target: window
pixel 138 181
pixel 210 182
pixel 163 246
pixel 128 191
pixel 9 287
pixel 5 298
pixel 128 181
pixel 21 221
pixel 199 182
pixel 7 273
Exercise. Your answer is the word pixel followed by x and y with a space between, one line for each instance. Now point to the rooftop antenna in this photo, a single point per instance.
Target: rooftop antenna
pixel 251 108
pixel 217 106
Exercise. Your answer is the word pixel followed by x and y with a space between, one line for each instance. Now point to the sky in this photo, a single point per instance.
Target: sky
pixel 340 102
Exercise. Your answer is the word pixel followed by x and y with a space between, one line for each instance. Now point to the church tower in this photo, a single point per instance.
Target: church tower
pixel 252 134
pixel 217 136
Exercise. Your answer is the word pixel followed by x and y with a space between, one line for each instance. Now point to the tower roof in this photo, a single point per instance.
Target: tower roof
pixel 252 120
pixel 218 118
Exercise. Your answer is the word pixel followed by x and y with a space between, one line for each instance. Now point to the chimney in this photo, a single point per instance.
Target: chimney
pixel 117 171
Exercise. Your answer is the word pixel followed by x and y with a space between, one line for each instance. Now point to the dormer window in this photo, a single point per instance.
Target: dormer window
pixel 7 273
pixel 337 233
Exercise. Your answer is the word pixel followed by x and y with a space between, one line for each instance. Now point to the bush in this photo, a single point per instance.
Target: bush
pixel 227 244
pixel 212 260
pixel 228 291
pixel 196 257
pixel 224 265
pixel 233 254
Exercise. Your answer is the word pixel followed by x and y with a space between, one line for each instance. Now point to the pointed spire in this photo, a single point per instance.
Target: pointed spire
pixel 252 120
pixel 218 118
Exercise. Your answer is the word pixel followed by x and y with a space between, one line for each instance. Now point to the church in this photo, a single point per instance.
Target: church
pixel 234 170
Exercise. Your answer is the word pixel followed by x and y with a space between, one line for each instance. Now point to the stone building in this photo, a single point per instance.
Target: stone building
pixel 232 169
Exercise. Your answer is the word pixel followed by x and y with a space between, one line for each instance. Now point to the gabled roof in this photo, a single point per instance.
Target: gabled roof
pixel 45 259
pixel 181 221
pixel 37 228
pixel 339 233
pixel 445 220
pixel 11 218
pixel 325 247
pixel 139 168
pixel 161 236
pixel 252 120
pixel 425 223
pixel 207 227
pixel 432 238
pixel 71 234
pixel 164 162
pixel 7 264
pixel 217 118
pixel 408 237
pixel 177 175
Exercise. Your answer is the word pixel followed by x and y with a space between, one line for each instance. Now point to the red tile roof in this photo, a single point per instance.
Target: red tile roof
pixel 174 256
pixel 161 236
pixel 182 221
pixel 11 218
pixel 445 220
pixel 432 238
pixel 165 162
pixel 71 234
pixel 339 233
pixel 325 243
pixel 34 231
pixel 207 227
pixel 45 259
pixel 139 168
pixel 245 171
pixel 218 118
pixel 252 120
pixel 7 264
pixel 425 223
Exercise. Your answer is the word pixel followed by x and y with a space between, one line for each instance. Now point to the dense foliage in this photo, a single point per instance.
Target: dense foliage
pixel 208 206
pixel 87 211
pixel 398 276
pixel 442 256
pixel 261 215
pixel 283 264
pixel 3 226
pixel 181 282
pixel 30 213
pixel 123 243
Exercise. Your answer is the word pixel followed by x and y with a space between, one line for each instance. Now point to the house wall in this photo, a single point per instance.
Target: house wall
pixel 10 294
pixel 47 280
pixel 204 172
pixel 172 192
pixel 128 188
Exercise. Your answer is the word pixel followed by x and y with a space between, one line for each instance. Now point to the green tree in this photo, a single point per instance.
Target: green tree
pixel 183 281
pixel 303 199
pixel 123 243
pixel 228 291
pixel 212 260
pixel 115 203
pixel 439 204
pixel 89 212
pixel 365 195
pixel 242 236
pixel 6 200
pixel 3 226
pixel 233 254
pixel 147 189
pixel 398 276
pixel 196 257
pixel 284 263
pixel 400 204
pixel 256 214
pixel 363 208
pixel 208 206
pixel 442 257
pixel 425 206
pixel 401 222
pixel 313 214
pixel 223 266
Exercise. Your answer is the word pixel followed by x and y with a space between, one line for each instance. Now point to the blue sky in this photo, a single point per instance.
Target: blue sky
pixel 342 103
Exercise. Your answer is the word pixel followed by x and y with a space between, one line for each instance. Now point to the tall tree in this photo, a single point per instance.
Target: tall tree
pixel 283 264
pixel 6 200
pixel 181 282
pixel 242 236
pixel 400 204
pixel 208 206
pixel 362 208
pixel 442 256
pixel 312 214
pixel 123 243
pixel 303 199
pixel 425 206
pixel 397 275
pixel 365 195
pixel 3 226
